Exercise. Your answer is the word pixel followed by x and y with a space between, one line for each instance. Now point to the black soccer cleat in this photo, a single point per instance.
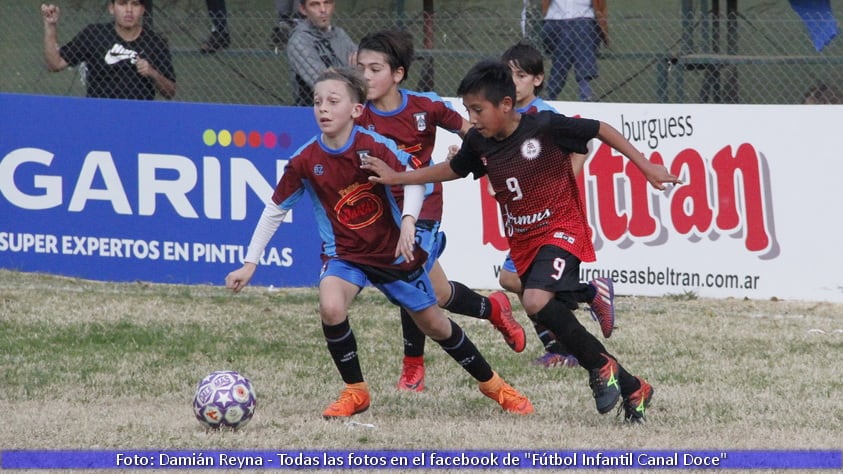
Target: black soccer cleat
pixel 636 403
pixel 604 385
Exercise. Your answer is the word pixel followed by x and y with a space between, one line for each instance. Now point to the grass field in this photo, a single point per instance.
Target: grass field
pixel 113 366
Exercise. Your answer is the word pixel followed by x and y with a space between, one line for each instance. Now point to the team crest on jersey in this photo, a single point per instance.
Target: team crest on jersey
pixel 530 149
pixel 318 169
pixel 371 127
pixel 361 154
pixel 421 121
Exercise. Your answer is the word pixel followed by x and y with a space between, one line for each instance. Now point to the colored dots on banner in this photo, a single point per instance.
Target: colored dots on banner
pixel 242 138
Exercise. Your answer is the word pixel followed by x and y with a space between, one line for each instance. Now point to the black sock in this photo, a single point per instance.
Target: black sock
pixel 343 348
pixel 462 350
pixel 557 317
pixel 413 336
pixel 627 381
pixel 584 294
pixel 549 340
pixel 582 344
pixel 466 302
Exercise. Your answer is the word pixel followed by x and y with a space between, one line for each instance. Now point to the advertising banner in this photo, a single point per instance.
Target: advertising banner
pixel 757 216
pixel 134 190
pixel 170 192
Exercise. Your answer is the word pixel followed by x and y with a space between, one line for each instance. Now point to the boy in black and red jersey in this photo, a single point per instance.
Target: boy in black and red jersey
pixel 527 66
pixel 365 238
pixel 527 161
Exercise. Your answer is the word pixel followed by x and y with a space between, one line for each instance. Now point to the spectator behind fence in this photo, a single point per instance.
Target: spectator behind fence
pixel 287 16
pixel 122 59
pixel 219 38
pixel 316 45
pixel 571 32
pixel 822 93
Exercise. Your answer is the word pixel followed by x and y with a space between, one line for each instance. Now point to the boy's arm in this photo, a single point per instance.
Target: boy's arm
pixel 164 85
pixel 413 200
pixel 386 175
pixel 52 58
pixel 159 67
pixel 602 18
pixel 270 219
pixel 657 175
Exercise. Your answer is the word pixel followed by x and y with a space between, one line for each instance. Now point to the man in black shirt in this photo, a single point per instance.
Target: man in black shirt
pixel 123 60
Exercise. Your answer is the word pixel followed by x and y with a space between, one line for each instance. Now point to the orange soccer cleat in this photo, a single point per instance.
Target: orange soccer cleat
pixel 501 318
pixel 507 397
pixel 352 400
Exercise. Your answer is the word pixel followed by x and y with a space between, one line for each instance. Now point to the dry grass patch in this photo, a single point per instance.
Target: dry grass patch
pixel 107 365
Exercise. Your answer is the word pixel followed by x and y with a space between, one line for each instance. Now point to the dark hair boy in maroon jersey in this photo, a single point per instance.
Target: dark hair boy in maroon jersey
pixel 366 239
pixel 411 120
pixel 526 158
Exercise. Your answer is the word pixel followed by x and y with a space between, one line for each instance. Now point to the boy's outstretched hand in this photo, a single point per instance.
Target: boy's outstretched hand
pixel 239 278
pixel 452 152
pixel 658 175
pixel 383 173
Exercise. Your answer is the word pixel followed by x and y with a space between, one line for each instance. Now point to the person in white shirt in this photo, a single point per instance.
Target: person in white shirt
pixel 572 31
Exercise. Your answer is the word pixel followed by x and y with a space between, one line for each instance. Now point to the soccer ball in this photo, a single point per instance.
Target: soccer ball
pixel 224 398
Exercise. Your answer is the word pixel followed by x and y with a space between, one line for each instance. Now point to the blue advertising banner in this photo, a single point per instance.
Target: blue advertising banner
pixel 163 192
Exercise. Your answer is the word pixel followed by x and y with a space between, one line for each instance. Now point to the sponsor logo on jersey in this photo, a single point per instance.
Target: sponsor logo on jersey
pixel 358 206
pixel 513 223
pixel 564 236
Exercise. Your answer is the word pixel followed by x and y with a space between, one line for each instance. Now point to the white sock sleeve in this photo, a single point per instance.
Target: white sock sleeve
pixel 271 218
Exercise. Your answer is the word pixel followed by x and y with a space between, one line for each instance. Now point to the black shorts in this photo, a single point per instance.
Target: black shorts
pixel 558 271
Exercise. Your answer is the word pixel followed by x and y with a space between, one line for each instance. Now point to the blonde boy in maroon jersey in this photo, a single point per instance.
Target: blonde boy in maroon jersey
pixel 411 119
pixel 527 160
pixel 365 238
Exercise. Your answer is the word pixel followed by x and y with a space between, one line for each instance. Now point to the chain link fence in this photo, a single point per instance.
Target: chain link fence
pixel 659 52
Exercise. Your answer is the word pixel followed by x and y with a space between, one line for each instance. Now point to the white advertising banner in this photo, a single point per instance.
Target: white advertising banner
pixel 758 215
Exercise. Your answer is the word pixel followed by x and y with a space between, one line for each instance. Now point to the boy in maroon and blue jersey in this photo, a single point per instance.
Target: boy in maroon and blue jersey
pixel 527 160
pixel 411 119
pixel 364 239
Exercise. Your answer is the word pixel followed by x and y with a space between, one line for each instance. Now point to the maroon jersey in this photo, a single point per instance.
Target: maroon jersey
pixel 358 220
pixel 413 127
pixel 534 183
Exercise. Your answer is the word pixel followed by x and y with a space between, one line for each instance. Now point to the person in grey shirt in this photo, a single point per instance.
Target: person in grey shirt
pixel 316 45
